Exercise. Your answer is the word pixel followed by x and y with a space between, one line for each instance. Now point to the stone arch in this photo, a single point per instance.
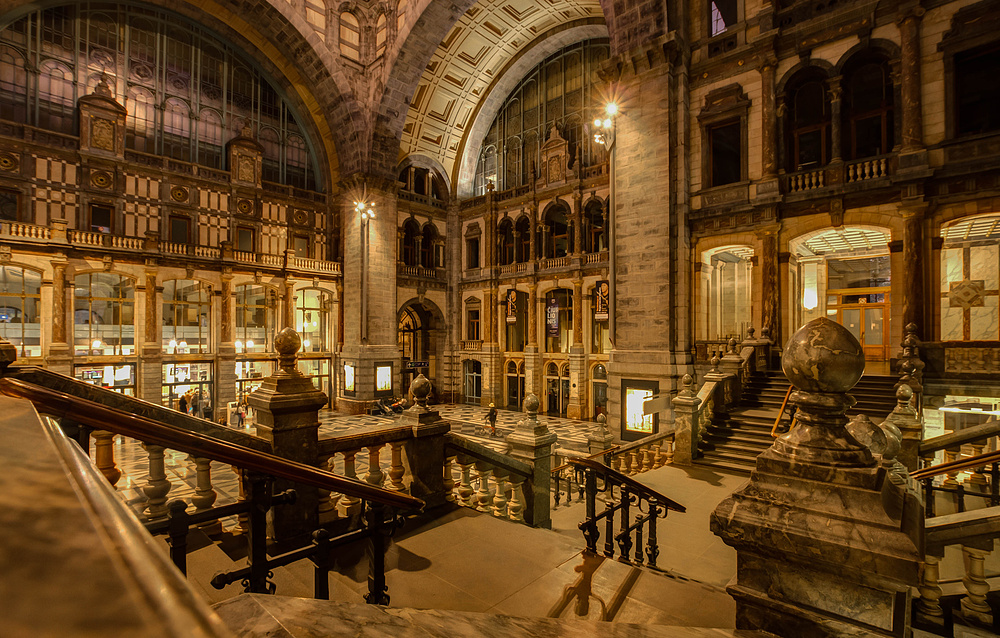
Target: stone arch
pixel 419 160
pixel 886 48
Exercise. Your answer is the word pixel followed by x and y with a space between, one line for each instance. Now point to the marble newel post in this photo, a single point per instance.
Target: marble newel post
pixel 287 407
pixel 423 455
pixel 827 545
pixel 532 441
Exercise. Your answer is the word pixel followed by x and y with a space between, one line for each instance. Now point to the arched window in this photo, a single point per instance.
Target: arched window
pixel 809 118
pixel 186 92
pixel 522 240
pixel 380 36
pixel 428 245
pixel 255 317
pixel 595 236
pixel 400 16
pixel 312 319
pixel 868 110
pixel 103 314
pixel 187 316
pixel 558 242
pixel 20 309
pixel 408 338
pixel 515 319
pixel 556 389
pixel 350 37
pixel 411 242
pixel 505 242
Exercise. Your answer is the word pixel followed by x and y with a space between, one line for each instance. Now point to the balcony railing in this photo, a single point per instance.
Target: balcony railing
pixel 417 271
pixel 471 344
pixel 555 262
pixel 805 181
pixel 871 168
pixel 32 233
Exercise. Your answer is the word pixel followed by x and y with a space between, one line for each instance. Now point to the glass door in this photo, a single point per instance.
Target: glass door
pixel 865 315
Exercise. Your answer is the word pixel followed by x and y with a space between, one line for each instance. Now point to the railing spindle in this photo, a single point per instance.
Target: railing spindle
pixel 350 505
pixel 104 456
pixel 974 604
pixel 516 505
pixel 930 588
pixel 500 497
pixel 375 475
pixel 483 496
pixel 205 494
pixel 157 486
pixel 396 467
pixel 465 489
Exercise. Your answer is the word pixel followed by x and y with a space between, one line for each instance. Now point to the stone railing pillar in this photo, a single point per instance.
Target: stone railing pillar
pixel 686 420
pixel 287 408
pixel 532 441
pixel 600 438
pixel 423 455
pixel 910 426
pixel 842 557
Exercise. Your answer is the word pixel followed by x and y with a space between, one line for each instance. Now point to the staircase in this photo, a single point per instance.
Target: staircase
pixel 733 440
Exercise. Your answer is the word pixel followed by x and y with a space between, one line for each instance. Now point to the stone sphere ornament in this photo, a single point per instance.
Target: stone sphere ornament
pixel 823 356
pixel 531 403
pixel 287 341
pixel 420 387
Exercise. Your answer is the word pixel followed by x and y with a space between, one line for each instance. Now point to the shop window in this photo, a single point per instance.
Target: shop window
pixel 187 312
pixel 312 318
pixel 473 372
pixel 20 309
pixel 515 384
pixel 101 218
pixel 635 423
pixel 868 110
pixel 726 153
pixel 103 315
pixel 256 308
pixel 977 91
pixel 515 319
pixel 600 334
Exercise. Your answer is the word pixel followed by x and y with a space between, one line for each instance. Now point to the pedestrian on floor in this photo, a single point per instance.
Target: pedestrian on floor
pixel 491 418
pixel 182 404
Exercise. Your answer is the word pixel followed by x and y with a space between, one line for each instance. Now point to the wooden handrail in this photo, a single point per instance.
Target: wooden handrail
pixel 777 419
pixel 957 465
pixel 961 437
pixel 101 417
pixel 630 483
pixel 592 456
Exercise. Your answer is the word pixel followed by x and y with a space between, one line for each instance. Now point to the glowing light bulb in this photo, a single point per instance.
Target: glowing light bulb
pixel 611 108
pixel 96 344
pixel 249 343
pixel 239 345
pixel 597 123
pixel 305 343
pixel 607 123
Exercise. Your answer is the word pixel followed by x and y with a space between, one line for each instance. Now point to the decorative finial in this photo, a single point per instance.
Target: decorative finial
pixel 903 395
pixel 103 87
pixel 765 333
pixel 420 388
pixel 823 356
pixel 287 344
pixel 687 381
pixel 531 404
pixel 715 363
pixel 732 346
pixel 750 332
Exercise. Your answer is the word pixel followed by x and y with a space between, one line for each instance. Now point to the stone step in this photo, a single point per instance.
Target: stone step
pixel 721 465
pixel 738 437
pixel 262 616
pixel 734 449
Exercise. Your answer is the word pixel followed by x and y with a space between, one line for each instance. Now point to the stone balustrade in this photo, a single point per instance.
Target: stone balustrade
pixel 871 168
pixel 805 181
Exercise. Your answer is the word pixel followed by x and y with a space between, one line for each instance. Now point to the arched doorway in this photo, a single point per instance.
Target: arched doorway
pixel 420 341
pixel 844 274
pixel 599 389
pixel 556 388
pixel 515 384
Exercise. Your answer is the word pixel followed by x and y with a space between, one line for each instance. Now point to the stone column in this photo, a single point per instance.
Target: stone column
pixel 287 407
pixel 913 281
pixel 60 352
pixel 834 91
pixel 576 408
pixel 533 232
pixel 577 222
pixel 768 134
pixel 225 390
pixel 532 441
pixel 287 319
pixel 827 545
pixel 909 35
pixel 423 455
pixel 770 283
pixel 532 354
pixel 151 363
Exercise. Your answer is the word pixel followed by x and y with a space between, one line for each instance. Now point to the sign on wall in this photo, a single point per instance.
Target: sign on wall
pixel 552 317
pixel 601 301
pixel 512 306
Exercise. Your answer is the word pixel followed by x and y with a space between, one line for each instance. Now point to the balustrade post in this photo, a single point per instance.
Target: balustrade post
pixel 287 413
pixel 104 456
pixel 423 454
pixel 157 486
pixel 483 496
pixel 624 537
pixel 974 607
pixel 205 494
pixel 532 442
pixel 465 490
pixel 516 505
pixel 687 416
pixel 258 495
pixel 500 496
pixel 929 604
pixel 906 419
pixel 652 548
pixel 375 551
pixel 177 533
pixel 396 467
pixel 375 475
pixel 350 505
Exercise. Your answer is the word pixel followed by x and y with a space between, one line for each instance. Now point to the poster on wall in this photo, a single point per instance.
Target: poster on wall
pixel 512 306
pixel 552 317
pixel 635 418
pixel 601 296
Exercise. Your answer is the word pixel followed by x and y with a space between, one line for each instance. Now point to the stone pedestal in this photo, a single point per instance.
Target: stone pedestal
pixel 287 407
pixel 600 437
pixel 827 544
pixel 423 455
pixel 532 441
pixel 686 414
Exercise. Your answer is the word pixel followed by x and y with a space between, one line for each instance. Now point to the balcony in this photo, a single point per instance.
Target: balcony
pixel 419 272
pixel 150 246
pixel 854 175
pixel 473 345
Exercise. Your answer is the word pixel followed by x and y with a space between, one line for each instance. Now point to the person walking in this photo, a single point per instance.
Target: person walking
pixel 491 418
pixel 182 404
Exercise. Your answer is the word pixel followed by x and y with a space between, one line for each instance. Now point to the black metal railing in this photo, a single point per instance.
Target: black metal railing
pixel 927 476
pixel 621 494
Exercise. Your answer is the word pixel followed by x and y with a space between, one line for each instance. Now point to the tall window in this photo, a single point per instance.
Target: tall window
pixel 472 252
pixel 411 242
pixel 810 126
pixel 380 36
pixel 522 240
pixel 187 316
pixel 10 205
pixel 977 91
pixel 515 318
pixel 556 235
pixel 428 243
pixel 596 236
pixel 103 314
pixel 472 321
pixel 256 308
pixel 561 91
pixel 726 153
pixel 600 334
pixel 186 92
pixel 869 110
pixel 312 319
pixel 350 37
pixel 505 241
pixel 722 15
pixel 558 320
pixel 180 229
pixel 20 309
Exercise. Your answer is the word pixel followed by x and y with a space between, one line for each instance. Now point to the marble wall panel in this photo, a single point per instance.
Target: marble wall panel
pixel 951 267
pixel 984 323
pixel 951 323
pixel 983 264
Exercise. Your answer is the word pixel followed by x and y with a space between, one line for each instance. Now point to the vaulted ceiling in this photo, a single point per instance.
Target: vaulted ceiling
pixel 476 52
